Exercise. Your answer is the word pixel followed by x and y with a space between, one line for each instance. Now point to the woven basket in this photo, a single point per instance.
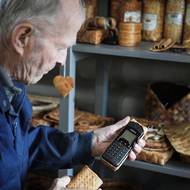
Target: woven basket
pixel 91 36
pixel 90 8
pixel 115 9
pixel 129 34
pixel 42 104
pixel 131 11
pixel 179 137
pixel 168 102
pixel 84 121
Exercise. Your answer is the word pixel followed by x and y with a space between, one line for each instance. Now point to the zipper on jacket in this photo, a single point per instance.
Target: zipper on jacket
pixel 15 125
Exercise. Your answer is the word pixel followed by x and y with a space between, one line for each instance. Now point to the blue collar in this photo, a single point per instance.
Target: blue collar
pixel 17 100
pixel 4 101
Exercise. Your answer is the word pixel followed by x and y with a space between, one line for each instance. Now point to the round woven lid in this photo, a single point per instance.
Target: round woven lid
pixel 179 137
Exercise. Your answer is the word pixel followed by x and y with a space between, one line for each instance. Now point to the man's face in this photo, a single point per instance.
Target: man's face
pixel 52 49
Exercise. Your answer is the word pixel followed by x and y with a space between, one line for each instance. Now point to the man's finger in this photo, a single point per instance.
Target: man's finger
pixel 64 181
pixel 141 143
pixel 119 125
pixel 137 149
pixel 132 156
pixel 61 182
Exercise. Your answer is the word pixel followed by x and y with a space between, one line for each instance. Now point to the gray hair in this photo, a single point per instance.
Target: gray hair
pixel 13 12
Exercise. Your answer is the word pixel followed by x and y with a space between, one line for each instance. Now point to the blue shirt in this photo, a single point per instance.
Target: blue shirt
pixel 23 147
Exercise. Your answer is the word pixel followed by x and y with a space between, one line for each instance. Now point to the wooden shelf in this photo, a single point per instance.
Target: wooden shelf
pixel 141 52
pixel 174 168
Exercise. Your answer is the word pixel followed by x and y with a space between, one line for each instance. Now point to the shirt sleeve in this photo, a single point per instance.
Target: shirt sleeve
pixel 50 148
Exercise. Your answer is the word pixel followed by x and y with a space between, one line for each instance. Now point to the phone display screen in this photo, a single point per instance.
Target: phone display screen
pixel 128 136
pixel 118 151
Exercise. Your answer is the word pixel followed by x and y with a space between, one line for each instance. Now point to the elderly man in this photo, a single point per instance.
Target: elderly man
pixel 34 36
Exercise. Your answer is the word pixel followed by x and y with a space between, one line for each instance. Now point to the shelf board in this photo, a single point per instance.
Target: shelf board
pixel 141 52
pixel 42 89
pixel 174 168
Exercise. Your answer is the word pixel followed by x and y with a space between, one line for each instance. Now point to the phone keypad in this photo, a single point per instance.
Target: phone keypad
pixel 115 153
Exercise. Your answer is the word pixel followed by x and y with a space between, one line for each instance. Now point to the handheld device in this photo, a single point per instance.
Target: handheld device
pixel 118 151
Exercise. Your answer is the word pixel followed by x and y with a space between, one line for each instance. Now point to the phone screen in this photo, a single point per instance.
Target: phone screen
pixel 128 136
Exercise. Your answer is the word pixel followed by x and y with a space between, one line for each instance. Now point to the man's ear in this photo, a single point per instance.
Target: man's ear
pixel 21 37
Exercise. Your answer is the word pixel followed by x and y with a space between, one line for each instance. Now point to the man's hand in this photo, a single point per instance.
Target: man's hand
pixel 60 183
pixel 103 138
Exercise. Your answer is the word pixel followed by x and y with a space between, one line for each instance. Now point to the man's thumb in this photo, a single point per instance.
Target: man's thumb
pixel 122 123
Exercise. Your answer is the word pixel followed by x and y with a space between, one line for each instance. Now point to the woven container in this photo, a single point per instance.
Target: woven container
pixel 186 34
pixel 168 102
pixel 157 149
pixel 130 34
pixel 100 22
pixel 84 121
pixel 91 36
pixel 89 122
pixel 153 19
pixel 114 9
pixel 179 137
pixel 90 8
pixel 131 11
pixel 42 104
pixel 173 28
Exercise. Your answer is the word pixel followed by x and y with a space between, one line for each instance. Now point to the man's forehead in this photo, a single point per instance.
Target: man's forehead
pixel 69 5
pixel 69 20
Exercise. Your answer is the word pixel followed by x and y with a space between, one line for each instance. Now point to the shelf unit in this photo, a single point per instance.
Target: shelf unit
pixel 173 168
pixel 103 54
pixel 141 52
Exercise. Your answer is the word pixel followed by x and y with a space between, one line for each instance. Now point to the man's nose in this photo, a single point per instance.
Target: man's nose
pixel 61 57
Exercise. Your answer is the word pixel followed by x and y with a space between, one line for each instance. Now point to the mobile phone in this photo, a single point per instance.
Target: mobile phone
pixel 116 154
